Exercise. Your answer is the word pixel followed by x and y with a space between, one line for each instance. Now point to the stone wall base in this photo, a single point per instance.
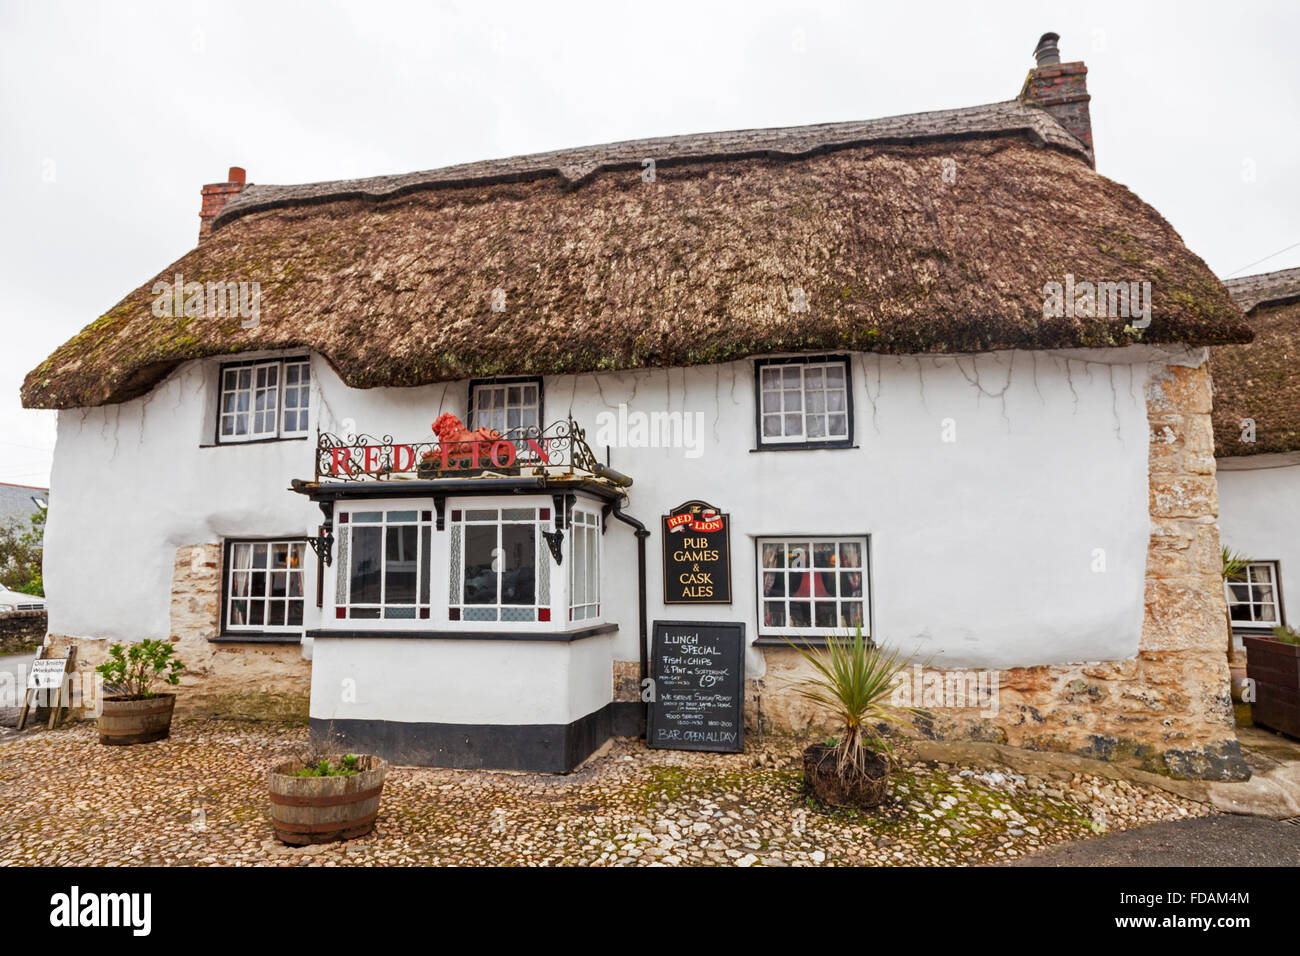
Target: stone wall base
pixel 1165 712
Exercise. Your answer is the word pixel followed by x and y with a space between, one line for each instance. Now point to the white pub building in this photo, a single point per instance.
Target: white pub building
pixel 429 455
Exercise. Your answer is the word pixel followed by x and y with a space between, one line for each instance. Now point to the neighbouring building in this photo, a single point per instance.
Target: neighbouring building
pixel 946 382
pixel 1257 443
pixel 20 503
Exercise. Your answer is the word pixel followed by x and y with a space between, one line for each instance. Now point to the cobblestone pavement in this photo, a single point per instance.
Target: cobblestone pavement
pixel 199 798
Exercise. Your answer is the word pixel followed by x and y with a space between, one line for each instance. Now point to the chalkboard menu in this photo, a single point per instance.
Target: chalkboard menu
pixel 697 555
pixel 699 686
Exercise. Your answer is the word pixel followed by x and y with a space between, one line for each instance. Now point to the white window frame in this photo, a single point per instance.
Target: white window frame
pixel 479 391
pixel 839 569
pixel 391 515
pixel 471 513
pixel 296 546
pixel 1268 577
pixel 278 394
pixel 584 551
pixel 766 370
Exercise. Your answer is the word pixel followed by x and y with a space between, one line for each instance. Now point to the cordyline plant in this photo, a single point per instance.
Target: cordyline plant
pixel 855 680
pixel 133 672
pixel 1234 563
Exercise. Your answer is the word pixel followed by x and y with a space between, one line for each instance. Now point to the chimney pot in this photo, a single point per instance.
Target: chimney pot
pixel 237 175
pixel 1046 53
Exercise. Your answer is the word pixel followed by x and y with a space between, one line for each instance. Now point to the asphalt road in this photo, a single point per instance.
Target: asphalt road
pixel 1201 841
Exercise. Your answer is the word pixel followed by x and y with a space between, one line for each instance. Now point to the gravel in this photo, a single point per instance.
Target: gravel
pixel 200 799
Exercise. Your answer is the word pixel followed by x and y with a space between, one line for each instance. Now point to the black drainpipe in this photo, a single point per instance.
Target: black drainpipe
pixel 641 535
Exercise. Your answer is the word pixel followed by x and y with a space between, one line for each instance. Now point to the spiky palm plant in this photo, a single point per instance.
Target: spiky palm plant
pixel 855 679
pixel 1234 562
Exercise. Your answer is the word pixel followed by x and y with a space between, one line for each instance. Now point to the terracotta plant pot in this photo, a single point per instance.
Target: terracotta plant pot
pixel 825 785
pixel 324 809
pixel 126 720
pixel 1274 666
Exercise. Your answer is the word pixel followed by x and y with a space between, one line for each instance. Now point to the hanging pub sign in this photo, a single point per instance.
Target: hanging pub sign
pixel 697 555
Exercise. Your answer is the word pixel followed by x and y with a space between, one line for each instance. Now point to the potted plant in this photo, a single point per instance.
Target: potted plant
pixel 326 797
pixel 135 712
pixel 855 679
pixel 1273 663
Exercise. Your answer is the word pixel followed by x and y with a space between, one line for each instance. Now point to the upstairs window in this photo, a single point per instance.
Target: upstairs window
pixel 1253 596
pixel 804 402
pixel 264 400
pixel 505 405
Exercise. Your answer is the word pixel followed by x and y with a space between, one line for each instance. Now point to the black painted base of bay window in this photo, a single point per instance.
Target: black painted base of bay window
pixel 538 748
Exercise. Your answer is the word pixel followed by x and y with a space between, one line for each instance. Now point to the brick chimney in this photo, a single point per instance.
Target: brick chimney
pixel 1061 89
pixel 215 197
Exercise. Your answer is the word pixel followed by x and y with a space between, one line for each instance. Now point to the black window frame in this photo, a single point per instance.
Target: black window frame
pixel 806 445
pixel 281 360
pixel 474 383
pixel 227 636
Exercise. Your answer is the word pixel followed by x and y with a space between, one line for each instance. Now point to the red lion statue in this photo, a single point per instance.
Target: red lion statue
pixel 459 440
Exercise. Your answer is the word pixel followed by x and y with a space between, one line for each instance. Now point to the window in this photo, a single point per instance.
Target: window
pixel 384 564
pixel 584 566
pixel 500 565
pixel 804 402
pixel 1253 596
pixel 506 405
pixel 264 400
pixel 264 585
pixel 812 586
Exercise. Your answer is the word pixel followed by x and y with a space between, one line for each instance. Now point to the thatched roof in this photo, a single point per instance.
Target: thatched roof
pixel 1261 381
pixel 927 233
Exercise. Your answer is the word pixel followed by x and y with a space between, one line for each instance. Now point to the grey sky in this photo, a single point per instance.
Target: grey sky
pixel 113 115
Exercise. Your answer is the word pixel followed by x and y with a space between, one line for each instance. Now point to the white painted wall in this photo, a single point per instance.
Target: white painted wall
pixel 1259 515
pixel 983 548
pixel 460 681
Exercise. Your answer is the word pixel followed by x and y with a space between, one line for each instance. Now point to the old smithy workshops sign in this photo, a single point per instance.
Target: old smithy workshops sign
pixel 699 677
pixel 697 555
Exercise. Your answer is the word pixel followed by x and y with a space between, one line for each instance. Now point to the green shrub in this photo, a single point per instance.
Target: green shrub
pixel 134 671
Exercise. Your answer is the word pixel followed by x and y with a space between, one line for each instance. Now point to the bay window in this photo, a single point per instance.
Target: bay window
pixel 384 564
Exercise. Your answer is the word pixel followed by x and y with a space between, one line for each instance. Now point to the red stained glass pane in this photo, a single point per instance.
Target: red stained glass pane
pixel 543 614
pixel 340 612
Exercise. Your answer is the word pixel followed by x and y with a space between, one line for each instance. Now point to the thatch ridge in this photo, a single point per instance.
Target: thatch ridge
pixel 576 166
pixel 700 266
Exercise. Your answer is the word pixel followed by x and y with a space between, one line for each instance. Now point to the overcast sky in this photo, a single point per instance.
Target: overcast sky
pixel 114 114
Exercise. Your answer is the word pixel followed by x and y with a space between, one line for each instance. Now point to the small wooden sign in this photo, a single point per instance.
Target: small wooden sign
pixel 697 555
pixel 47 673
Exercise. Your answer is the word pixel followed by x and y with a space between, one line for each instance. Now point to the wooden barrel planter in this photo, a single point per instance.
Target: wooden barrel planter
pixel 829 789
pixel 132 721
pixel 324 809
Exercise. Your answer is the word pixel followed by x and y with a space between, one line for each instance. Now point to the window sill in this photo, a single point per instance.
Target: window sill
pixel 252 441
pixel 806 446
pixel 553 637
pixel 814 640
pixel 257 637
